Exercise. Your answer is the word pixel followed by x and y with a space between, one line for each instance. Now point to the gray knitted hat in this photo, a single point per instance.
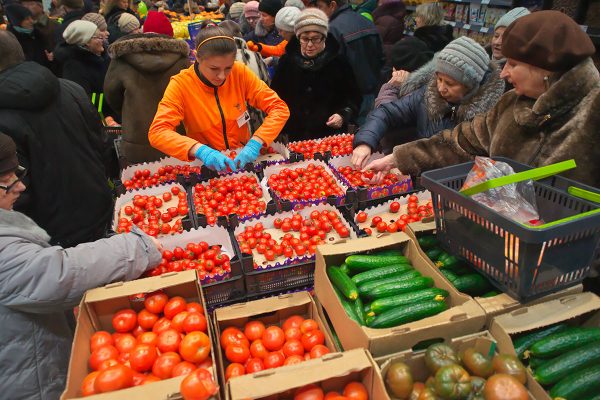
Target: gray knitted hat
pixel 286 18
pixel 295 3
pixel 464 60
pixel 511 16
pixel 96 19
pixel 311 20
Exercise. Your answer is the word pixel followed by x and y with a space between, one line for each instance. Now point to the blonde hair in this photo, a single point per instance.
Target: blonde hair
pixel 110 4
pixel 430 13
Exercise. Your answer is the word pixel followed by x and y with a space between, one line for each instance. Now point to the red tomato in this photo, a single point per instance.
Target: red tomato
pixel 142 357
pixel 87 386
pixel 233 370
pixel 198 385
pixel 318 351
pixel 273 338
pixel 311 339
pixel 394 207
pixel 183 368
pixel 361 217
pixel 413 199
pixel 194 322
pixel 333 396
pixel 195 347
pixel 150 338
pixel 101 354
pixel 233 335
pixel 169 340
pixel 292 322
pixel 125 342
pixel 309 392
pixel 150 378
pixel 236 353
pixel 146 319
pixel 309 325
pixel 293 333
pixel 195 307
pixel 113 378
pixel 254 365
pixel 161 325
pixel 356 391
pixel 100 339
pixel 293 360
pixel 381 227
pixel 124 320
pixel 107 364
pixel 174 306
pixel 164 364
pixel 254 330
pixel 293 347
pixel 274 359
pixel 258 349
pixel 177 321
pixel 375 221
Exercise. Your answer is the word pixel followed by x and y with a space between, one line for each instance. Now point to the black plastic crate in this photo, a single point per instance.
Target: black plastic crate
pixel 525 262
pixel 229 291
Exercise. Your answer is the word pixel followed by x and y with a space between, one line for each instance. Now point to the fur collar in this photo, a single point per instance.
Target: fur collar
pixel 561 98
pixel 13 223
pixel 147 42
pixel 485 98
pixel 417 79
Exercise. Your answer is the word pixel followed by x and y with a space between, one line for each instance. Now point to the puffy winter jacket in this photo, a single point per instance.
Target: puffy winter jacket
pixel 38 283
pixel 210 114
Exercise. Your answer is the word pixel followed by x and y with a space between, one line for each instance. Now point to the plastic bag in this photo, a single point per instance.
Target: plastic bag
pixel 515 201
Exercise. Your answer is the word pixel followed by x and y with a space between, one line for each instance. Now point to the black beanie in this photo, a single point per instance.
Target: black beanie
pixel 410 54
pixel 270 7
pixel 16 13
pixel 8 154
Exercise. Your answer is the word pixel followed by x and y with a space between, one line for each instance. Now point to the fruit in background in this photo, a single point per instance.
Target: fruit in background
pixel 310 183
pixel 338 145
pixel 358 178
pixel 143 178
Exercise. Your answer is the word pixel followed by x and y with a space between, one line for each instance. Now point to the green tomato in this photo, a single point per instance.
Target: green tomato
pixel 439 355
pixel 452 382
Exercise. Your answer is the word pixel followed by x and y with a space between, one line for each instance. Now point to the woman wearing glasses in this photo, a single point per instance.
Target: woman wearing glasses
pixel 315 81
pixel 39 282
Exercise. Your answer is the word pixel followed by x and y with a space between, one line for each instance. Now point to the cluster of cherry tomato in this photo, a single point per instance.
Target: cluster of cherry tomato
pixel 258 347
pixel 143 178
pixel 167 338
pixel 310 183
pixel 312 232
pixel 415 212
pixel 357 178
pixel 352 391
pixel 338 146
pixel 241 195
pixel 148 213
pixel 209 261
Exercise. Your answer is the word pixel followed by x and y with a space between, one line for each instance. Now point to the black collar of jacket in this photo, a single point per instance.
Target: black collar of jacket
pixel 203 78
pixel 331 51
pixel 338 11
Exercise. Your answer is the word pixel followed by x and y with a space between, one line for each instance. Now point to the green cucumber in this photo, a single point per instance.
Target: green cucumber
pixel 554 370
pixel 578 384
pixel 363 262
pixel 387 303
pixel 406 314
pixel 345 269
pixel 450 262
pixel 561 342
pixel 380 273
pixel 348 307
pixel 392 289
pixel 536 362
pixel 366 308
pixel 451 276
pixel 403 276
pixel 472 284
pixel 343 282
pixel 491 293
pixel 359 310
pixel 428 241
pixel 524 342
pixel 434 253
pixel 388 252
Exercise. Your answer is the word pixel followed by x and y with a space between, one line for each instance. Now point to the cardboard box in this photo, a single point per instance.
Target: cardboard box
pixel 95 313
pixel 463 317
pixel 332 372
pixel 492 306
pixel 581 309
pixel 483 342
pixel 271 311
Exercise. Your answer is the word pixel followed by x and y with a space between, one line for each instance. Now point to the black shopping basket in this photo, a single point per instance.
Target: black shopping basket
pixel 524 261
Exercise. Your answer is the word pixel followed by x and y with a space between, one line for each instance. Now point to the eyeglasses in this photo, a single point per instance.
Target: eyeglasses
pixel 21 172
pixel 317 40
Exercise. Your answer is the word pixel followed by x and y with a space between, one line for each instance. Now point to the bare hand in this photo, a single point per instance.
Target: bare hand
pixel 398 77
pixel 335 121
pixel 360 156
pixel 381 167
pixel 157 243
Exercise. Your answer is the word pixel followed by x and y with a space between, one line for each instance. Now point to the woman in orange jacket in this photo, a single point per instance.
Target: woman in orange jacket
pixel 211 99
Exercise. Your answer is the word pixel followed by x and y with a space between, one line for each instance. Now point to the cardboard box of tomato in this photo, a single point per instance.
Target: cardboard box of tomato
pixel 463 315
pixel 352 373
pixel 99 311
pixel 269 333
pixel 165 170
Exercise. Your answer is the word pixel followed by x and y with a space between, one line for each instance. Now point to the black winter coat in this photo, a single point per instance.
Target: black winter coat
pixel 361 45
pixel 315 89
pixel 57 132
pixel 435 36
pixel 82 67
pixel 33 46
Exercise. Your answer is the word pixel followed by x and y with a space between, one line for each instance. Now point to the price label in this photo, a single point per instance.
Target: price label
pixel 466 26
pixel 484 2
pixel 484 29
pixel 452 23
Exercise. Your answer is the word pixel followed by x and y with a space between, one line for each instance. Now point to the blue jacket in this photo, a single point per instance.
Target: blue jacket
pixel 426 110
pixel 261 35
pixel 361 44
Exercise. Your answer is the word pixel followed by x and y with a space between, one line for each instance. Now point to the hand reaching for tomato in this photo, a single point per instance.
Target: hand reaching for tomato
pixel 381 167
pixel 360 156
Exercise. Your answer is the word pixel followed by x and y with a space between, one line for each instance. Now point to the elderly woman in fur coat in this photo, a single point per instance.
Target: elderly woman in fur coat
pixel 139 72
pixel 551 115
pixel 460 83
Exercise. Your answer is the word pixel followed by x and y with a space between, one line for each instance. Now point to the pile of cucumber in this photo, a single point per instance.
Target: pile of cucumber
pixel 383 290
pixel 463 277
pixel 564 359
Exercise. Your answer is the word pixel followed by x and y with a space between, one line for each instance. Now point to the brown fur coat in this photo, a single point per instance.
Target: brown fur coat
pixel 561 124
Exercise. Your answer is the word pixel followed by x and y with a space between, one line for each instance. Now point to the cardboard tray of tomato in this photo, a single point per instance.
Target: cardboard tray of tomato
pixel 221 278
pixel 322 148
pixel 99 311
pixel 167 196
pixel 220 188
pixel 284 271
pixel 397 184
pixel 165 170
pixel 292 201
pixel 257 330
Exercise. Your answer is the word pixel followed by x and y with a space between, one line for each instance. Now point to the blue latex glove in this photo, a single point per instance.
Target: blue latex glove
pixel 248 154
pixel 213 159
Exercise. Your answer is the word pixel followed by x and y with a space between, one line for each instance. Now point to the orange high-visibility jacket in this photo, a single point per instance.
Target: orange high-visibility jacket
pixel 266 50
pixel 211 114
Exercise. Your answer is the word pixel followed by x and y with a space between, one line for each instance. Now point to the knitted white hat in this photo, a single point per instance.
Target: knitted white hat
pixel 128 23
pixel 311 20
pixel 79 32
pixel 464 60
pixel 511 16
pixel 286 18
